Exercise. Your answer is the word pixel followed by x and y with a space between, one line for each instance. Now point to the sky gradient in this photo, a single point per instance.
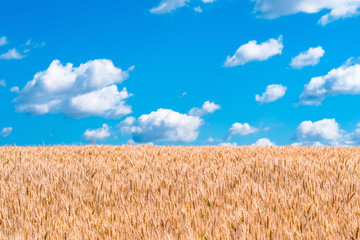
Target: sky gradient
pixel 224 72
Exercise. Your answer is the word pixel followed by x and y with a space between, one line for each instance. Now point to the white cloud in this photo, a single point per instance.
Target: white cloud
pixel 323 131
pixel 252 51
pixel 263 142
pixel 241 129
pixel 207 107
pixel 97 134
pixel 343 80
pixel 88 90
pixel 163 125
pixel 3 41
pixel 2 83
pixel 6 132
pixel 338 8
pixel 307 58
pixel 226 144
pixel 167 6
pixel 12 54
pixel 273 92
pixel 14 89
pixel 198 9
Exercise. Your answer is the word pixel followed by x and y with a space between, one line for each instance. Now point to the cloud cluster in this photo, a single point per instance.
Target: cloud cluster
pixel 5 132
pixel 338 8
pixel 18 52
pixel 343 80
pixel 97 134
pixel 252 51
pixel 273 92
pixel 163 125
pixel 88 90
pixel 307 58
pixel 271 9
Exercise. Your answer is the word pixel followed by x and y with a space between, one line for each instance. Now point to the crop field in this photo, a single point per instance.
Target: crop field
pixel 150 192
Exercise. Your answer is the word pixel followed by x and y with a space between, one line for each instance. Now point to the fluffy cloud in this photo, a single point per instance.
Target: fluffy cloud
pixel 167 6
pixel 343 80
pixel 3 41
pixel 162 125
pixel 310 57
pixel 263 142
pixel 241 129
pixel 2 83
pixel 6 132
pixel 326 131
pixel 273 92
pixel 97 134
pixel 338 8
pixel 12 54
pixel 87 90
pixel 252 51
pixel 207 107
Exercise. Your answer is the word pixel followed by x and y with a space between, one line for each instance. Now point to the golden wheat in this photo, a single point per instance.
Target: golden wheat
pixel 147 192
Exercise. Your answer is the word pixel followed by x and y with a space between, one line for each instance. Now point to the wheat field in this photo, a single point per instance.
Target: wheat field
pixel 150 192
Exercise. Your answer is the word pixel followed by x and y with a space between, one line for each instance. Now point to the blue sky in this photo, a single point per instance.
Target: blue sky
pixel 191 72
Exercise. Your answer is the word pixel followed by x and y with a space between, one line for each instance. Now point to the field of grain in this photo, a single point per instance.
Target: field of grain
pixel 147 192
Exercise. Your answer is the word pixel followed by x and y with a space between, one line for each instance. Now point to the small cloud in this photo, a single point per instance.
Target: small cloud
pixel 226 144
pixel 2 83
pixel 12 54
pixel 241 129
pixel 14 89
pixel 207 107
pixel 3 41
pixel 263 142
pixel 168 6
pixel 273 92
pixel 183 94
pixel 309 58
pixel 252 51
pixel 198 9
pixel 99 134
pixel 6 132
